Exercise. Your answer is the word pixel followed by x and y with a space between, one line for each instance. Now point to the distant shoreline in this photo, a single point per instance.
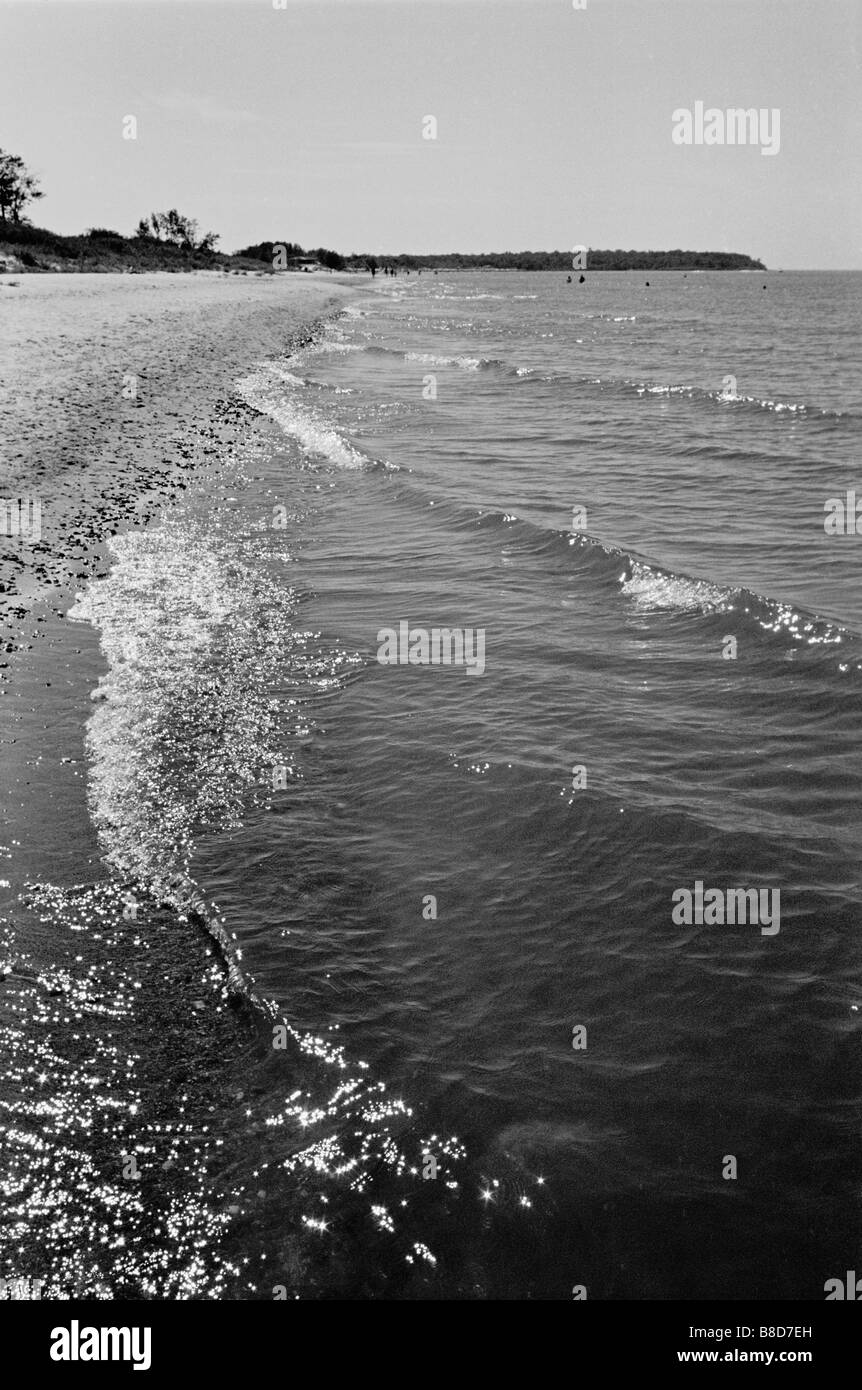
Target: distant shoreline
pixel 35 250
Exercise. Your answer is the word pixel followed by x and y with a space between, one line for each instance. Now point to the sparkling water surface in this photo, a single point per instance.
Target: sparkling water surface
pixel 612 480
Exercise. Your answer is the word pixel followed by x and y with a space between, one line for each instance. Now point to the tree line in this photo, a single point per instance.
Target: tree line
pixel 511 260
pixel 279 255
pixel 562 260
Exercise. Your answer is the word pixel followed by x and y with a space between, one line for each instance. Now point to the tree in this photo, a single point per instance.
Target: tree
pixel 177 229
pixel 330 259
pixel 265 250
pixel 18 187
pixel 173 227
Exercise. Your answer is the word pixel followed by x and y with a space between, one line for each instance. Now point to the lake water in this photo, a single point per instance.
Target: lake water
pixel 485 1057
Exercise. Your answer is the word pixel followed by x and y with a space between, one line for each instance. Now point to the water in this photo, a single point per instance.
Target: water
pixel 429 879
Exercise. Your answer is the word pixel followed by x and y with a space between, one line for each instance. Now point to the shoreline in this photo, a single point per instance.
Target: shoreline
pixel 143 1006
pixel 104 423
pixel 157 1143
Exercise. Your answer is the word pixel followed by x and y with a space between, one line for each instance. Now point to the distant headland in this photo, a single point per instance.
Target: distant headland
pixel 529 260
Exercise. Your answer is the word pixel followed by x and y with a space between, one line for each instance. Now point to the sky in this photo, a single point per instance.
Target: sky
pixel 554 123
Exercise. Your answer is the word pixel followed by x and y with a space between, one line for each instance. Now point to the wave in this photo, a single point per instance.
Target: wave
pixel 198 632
pixel 466 363
pixel 329 344
pixel 465 297
pixel 186 731
pixel 536 374
pixel 652 589
pixel 183 723
pixel 699 395
pixel 645 584
pixel 685 391
pixel 648 586
pixel 284 375
pixel 315 437
pixel 725 397
pixel 696 394
pixel 433 359
pixel 290 379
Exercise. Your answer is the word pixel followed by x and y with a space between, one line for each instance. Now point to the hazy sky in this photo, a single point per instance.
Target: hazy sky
pixel 553 123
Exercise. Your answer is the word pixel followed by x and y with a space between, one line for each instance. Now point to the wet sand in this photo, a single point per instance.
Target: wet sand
pixel 111 389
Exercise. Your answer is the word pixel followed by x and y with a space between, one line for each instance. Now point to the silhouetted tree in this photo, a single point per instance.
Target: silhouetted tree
pixel 177 230
pixel 330 259
pixel 18 187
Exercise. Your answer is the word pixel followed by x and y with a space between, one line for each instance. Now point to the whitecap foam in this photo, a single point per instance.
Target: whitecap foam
pixel 329 345
pixel 645 388
pixel 284 375
pixel 314 436
pixel 448 294
pixel 193 640
pixel 433 359
pixel 794 407
pixel 654 591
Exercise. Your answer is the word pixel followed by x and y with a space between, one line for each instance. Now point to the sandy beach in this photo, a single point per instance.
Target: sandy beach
pixel 104 382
